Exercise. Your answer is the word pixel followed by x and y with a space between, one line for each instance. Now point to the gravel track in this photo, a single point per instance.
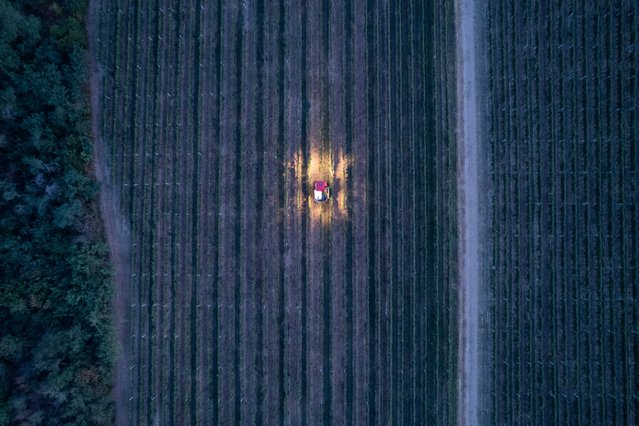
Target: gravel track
pixel 470 166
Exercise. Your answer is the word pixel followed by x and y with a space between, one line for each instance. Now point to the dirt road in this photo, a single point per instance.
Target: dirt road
pixel 469 169
pixel 115 225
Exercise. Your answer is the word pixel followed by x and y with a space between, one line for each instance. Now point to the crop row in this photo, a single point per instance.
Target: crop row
pixel 443 298
pixel 563 131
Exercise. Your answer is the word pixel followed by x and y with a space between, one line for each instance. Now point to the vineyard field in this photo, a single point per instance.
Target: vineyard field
pixel 563 139
pixel 435 286
pixel 240 301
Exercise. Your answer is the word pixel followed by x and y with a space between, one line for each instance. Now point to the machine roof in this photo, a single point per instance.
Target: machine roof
pixel 320 185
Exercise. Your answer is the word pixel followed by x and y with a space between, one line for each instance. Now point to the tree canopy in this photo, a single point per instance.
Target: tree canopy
pixel 56 337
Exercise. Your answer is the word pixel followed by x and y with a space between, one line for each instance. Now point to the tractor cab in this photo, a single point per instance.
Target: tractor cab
pixel 321 191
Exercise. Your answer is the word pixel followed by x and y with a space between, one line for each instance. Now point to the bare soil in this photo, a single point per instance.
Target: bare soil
pixel 116 228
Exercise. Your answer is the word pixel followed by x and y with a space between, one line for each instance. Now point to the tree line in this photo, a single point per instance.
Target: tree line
pixel 56 333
